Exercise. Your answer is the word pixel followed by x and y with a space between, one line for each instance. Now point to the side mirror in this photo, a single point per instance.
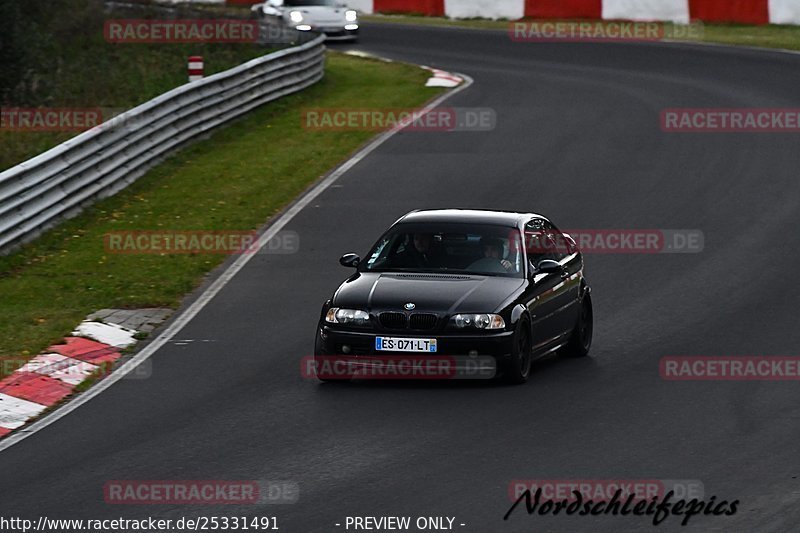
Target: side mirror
pixel 350 260
pixel 275 3
pixel 548 266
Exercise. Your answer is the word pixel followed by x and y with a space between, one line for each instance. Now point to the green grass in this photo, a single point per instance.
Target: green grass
pixel 115 77
pixel 766 36
pixel 234 180
pixel 422 20
pixel 53 54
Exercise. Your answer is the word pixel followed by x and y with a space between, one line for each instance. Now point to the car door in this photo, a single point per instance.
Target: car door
pixel 568 255
pixel 550 295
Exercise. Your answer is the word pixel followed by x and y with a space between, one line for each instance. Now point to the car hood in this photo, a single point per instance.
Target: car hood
pixel 319 14
pixel 444 294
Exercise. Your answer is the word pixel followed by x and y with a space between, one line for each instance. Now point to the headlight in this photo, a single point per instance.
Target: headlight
pixel 350 15
pixel 351 317
pixel 296 16
pixel 479 321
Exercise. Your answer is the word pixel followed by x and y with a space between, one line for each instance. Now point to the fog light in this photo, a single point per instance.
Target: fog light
pixel 473 353
pixel 303 27
pixel 351 27
pixel 345 348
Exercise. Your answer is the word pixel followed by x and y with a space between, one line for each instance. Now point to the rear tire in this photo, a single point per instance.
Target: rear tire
pixel 581 340
pixel 518 369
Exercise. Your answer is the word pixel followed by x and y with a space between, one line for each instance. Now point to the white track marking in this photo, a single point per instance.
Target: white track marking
pixel 14 412
pixel 107 333
pixel 59 367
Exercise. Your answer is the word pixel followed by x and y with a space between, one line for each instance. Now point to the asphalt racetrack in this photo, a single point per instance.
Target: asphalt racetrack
pixel 577 139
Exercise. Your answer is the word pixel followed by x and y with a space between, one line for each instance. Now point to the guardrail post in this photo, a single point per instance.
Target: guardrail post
pixel 195 68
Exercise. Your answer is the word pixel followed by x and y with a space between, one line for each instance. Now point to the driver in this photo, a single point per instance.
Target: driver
pixel 417 255
pixel 493 249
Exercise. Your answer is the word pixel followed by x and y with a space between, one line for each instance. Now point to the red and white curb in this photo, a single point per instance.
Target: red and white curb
pixel 111 334
pixel 681 11
pixel 51 376
pixel 441 78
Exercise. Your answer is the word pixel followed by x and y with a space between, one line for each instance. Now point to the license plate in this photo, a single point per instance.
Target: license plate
pixel 394 344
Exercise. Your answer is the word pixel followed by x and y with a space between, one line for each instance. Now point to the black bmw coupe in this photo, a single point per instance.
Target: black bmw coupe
pixel 469 283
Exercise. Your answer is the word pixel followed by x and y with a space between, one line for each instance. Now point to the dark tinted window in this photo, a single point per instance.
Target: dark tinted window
pixel 448 248
pixel 544 241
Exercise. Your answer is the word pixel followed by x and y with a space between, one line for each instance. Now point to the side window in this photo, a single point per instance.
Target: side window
pixel 535 243
pixel 386 248
pixel 564 245
pixel 545 241
pixel 377 253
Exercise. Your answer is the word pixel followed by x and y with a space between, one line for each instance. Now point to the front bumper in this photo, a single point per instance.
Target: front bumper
pixel 335 33
pixel 498 345
pixel 346 354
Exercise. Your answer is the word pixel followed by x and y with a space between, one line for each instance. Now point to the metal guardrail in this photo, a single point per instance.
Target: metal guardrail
pixel 60 183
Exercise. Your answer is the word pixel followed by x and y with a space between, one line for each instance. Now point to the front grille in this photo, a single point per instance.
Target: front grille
pixel 393 320
pixel 422 321
pixel 418 321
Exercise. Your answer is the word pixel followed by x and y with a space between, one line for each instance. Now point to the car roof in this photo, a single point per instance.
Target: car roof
pixel 472 216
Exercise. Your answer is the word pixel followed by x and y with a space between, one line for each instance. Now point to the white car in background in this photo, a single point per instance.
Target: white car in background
pixel 331 17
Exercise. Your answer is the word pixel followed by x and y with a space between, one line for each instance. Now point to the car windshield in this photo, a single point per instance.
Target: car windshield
pixel 448 248
pixel 294 3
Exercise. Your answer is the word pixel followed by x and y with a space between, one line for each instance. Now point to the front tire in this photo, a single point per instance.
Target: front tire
pixel 519 368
